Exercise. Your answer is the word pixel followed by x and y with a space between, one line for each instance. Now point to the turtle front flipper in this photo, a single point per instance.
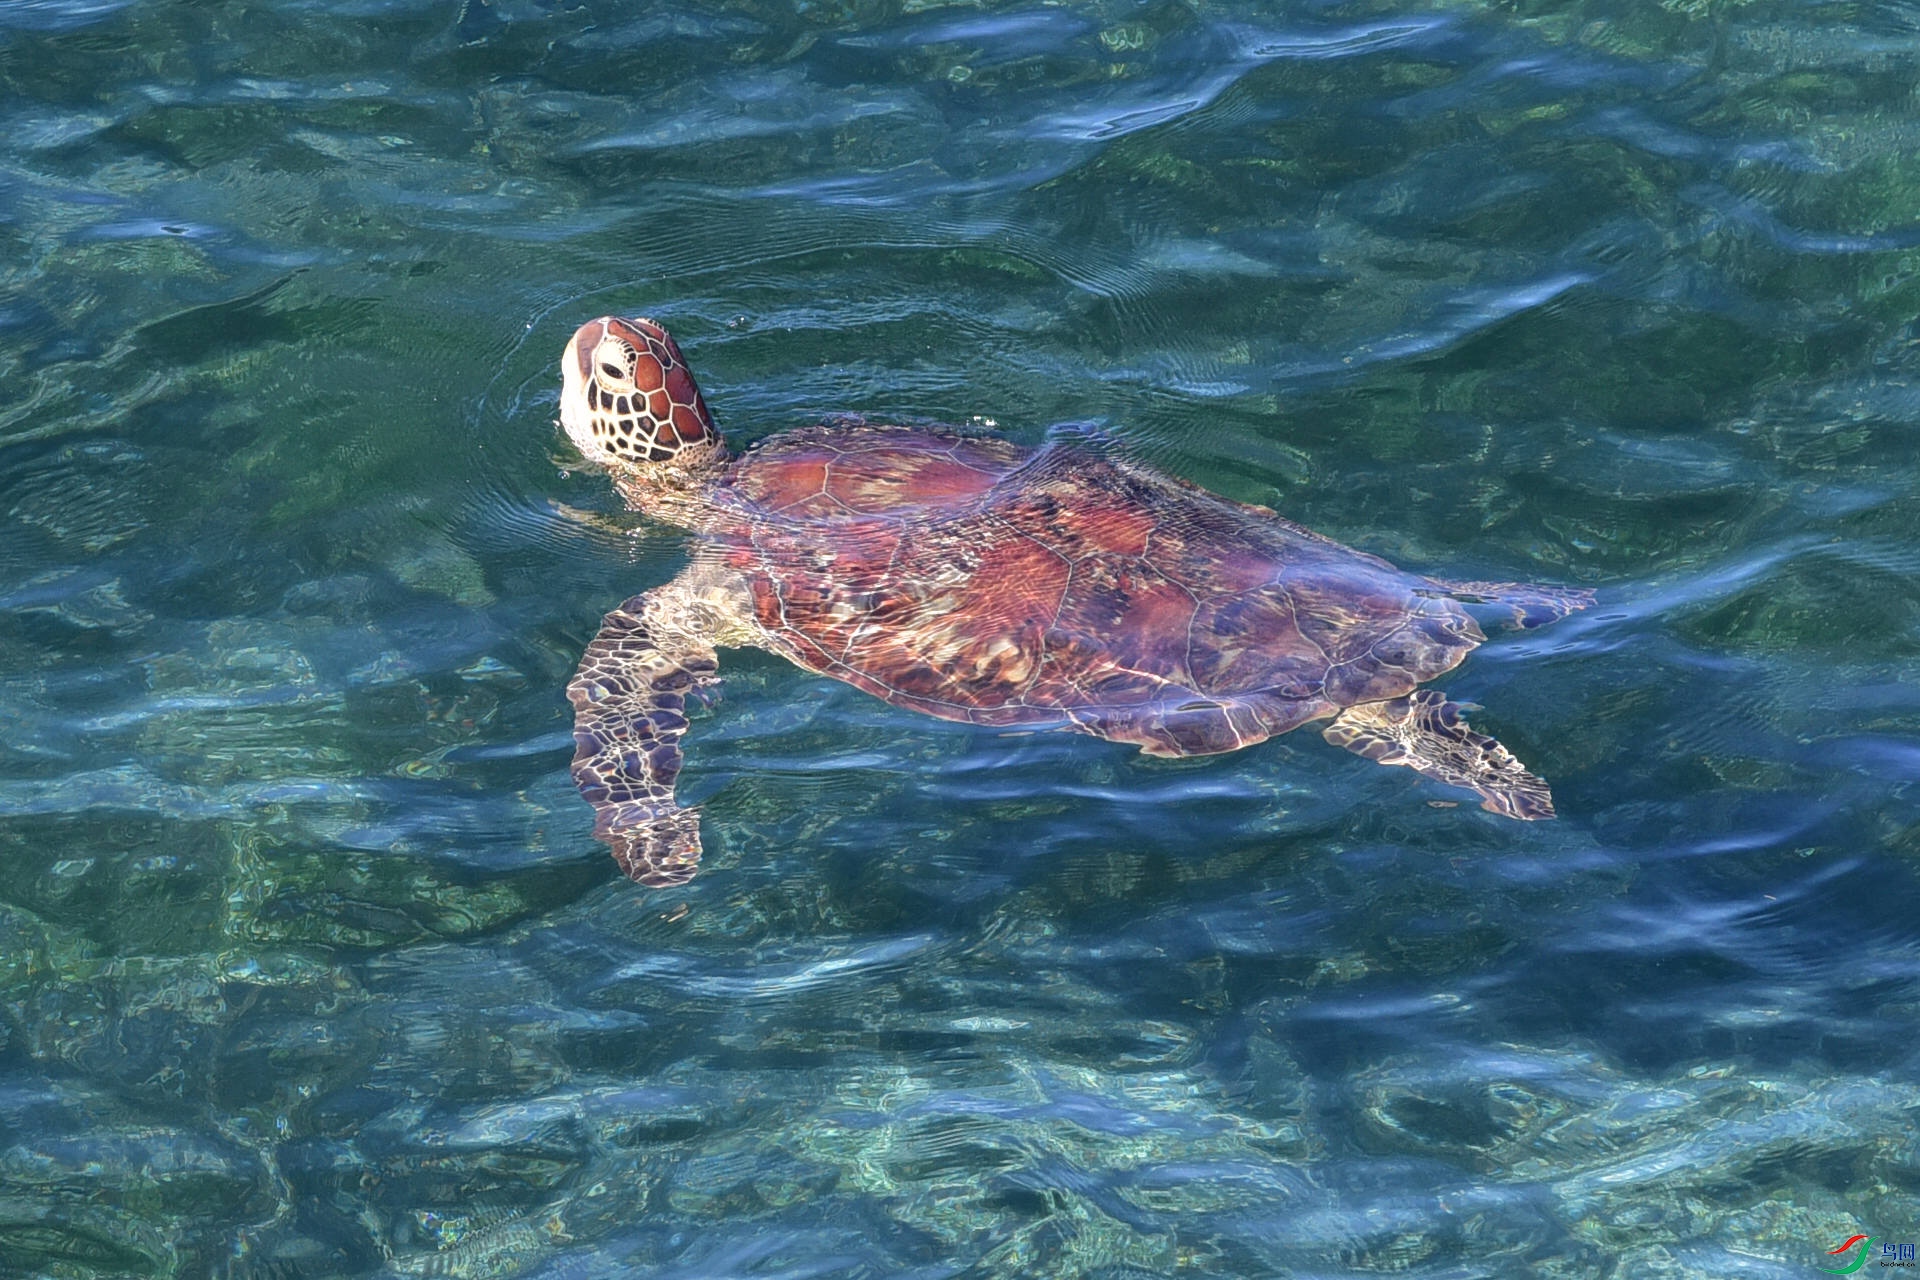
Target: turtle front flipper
pixel 629 711
pixel 1426 733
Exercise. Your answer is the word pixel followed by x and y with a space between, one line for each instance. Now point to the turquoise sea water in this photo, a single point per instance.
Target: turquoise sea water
pixel 309 966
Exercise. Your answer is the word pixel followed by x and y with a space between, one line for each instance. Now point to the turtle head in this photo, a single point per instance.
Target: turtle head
pixel 629 403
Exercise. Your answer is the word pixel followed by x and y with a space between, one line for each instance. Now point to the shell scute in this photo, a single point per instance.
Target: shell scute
pixel 878 481
pixel 1013 580
pixel 965 623
pixel 1210 557
pixel 1251 641
pixel 1076 520
pixel 825 473
pixel 1118 597
pixel 1122 531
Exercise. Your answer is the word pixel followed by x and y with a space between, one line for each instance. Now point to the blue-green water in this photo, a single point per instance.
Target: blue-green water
pixel 309 966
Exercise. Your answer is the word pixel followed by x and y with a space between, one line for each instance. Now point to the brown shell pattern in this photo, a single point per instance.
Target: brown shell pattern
pixel 972 580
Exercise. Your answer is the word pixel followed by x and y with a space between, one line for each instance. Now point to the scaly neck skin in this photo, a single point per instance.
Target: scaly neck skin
pixel 679 492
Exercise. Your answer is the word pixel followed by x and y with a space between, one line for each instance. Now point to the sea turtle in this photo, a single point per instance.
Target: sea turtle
pixel 969 578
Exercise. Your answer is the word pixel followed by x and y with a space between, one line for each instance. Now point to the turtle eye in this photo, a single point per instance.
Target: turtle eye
pixel 613 363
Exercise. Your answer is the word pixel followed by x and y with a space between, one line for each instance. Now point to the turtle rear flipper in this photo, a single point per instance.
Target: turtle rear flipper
pixel 1530 606
pixel 1426 733
pixel 629 706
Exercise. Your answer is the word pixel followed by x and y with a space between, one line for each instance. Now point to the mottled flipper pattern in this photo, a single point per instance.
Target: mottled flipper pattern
pixel 1529 605
pixel 1426 733
pixel 629 705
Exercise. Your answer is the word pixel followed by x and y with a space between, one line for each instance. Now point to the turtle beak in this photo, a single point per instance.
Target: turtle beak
pixel 576 372
pixel 578 361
